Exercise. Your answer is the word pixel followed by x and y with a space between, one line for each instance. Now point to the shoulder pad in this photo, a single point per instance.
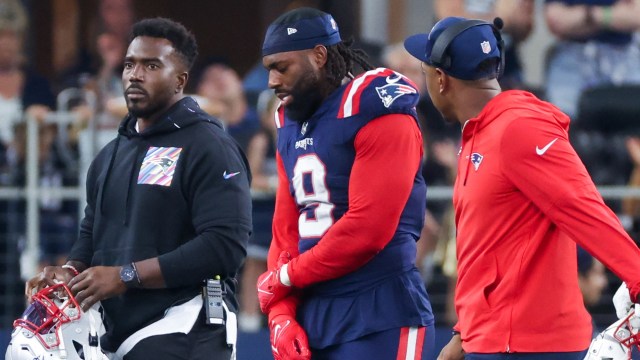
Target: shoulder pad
pixel 383 90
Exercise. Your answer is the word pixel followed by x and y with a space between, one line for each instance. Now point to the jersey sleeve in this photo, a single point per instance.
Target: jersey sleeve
pixel 542 164
pixel 388 155
pixel 285 220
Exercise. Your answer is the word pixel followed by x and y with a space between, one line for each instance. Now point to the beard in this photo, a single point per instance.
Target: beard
pixel 149 106
pixel 142 112
pixel 307 98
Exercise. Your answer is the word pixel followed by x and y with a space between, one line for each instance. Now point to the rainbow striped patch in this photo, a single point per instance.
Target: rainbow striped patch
pixel 159 165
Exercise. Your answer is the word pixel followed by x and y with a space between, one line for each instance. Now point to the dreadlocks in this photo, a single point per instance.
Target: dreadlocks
pixel 340 61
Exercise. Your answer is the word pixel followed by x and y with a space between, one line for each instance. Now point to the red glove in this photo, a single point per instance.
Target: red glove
pixel 288 339
pixel 270 288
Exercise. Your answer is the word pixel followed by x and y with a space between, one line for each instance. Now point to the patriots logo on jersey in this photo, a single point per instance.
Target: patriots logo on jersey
pixel 390 92
pixel 476 159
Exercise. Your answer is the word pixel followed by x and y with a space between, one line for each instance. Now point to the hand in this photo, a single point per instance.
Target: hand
pixel 50 275
pixel 270 288
pixel 453 350
pixel 622 301
pixel 288 339
pixel 95 284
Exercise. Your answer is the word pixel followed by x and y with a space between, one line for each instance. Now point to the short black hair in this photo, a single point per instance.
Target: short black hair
pixel 490 67
pixel 183 41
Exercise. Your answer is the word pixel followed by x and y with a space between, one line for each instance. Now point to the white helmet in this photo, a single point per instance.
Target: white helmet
pixel 55 327
pixel 616 342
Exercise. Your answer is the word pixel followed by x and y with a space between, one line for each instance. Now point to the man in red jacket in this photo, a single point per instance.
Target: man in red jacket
pixel 523 199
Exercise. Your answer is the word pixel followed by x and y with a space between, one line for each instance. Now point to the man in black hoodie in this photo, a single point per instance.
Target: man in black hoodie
pixel 168 206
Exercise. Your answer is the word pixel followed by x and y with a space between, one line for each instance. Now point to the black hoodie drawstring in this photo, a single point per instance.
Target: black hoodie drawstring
pixel 106 179
pixel 106 176
pixel 129 185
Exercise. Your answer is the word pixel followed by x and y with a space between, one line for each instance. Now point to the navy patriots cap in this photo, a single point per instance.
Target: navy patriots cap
pixel 300 29
pixel 466 51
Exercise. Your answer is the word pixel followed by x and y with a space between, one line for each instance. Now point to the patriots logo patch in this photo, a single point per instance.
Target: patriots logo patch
pixel 476 159
pixel 390 92
pixel 159 166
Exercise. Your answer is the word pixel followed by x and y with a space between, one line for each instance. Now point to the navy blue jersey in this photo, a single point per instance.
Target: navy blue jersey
pixel 318 157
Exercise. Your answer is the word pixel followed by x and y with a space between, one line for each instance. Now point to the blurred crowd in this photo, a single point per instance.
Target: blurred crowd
pixel 592 72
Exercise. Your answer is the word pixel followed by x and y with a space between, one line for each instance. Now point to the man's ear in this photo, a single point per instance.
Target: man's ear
pixel 182 79
pixel 443 80
pixel 319 55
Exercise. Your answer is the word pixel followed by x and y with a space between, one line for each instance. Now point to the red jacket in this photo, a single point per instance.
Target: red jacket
pixel 523 199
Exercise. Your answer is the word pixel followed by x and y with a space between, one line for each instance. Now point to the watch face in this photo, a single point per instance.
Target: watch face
pixel 127 274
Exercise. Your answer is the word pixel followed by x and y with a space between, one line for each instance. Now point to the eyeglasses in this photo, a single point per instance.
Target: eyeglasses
pixel 422 67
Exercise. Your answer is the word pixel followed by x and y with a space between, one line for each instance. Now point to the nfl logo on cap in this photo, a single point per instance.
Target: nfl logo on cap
pixel 486 47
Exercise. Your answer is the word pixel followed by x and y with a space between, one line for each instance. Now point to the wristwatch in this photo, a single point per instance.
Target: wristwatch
pixel 129 276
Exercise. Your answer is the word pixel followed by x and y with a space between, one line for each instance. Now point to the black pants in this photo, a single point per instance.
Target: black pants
pixel 203 342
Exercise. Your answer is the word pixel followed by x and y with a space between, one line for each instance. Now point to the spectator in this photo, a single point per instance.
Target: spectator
pixel 116 19
pixel 26 95
pixel 58 218
pixel 98 70
pixel 221 89
pixel 595 47
pixel 631 205
pixel 261 151
pixel 592 279
pixel 22 90
pixel 23 94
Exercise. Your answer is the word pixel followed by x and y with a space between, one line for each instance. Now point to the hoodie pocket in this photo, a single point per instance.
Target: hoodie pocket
pixel 493 280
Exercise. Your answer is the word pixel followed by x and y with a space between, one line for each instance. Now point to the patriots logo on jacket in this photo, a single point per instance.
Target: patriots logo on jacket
pixel 159 166
pixel 164 163
pixel 476 159
pixel 390 92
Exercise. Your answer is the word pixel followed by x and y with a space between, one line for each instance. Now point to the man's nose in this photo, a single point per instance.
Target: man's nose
pixel 274 80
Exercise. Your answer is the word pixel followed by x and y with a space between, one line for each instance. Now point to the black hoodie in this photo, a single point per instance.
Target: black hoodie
pixel 178 191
